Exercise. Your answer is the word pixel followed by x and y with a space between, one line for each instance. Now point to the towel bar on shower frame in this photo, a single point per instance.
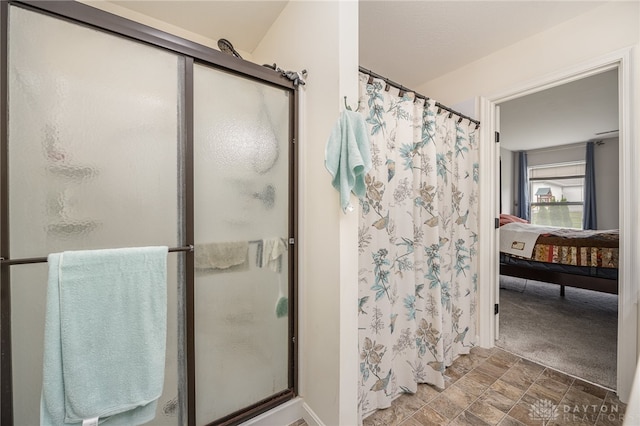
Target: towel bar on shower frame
pixel 28 260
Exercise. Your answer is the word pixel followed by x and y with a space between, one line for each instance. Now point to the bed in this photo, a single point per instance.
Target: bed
pixel 569 257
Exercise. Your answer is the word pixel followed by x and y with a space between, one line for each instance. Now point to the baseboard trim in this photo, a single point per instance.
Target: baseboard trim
pixel 283 414
pixel 310 416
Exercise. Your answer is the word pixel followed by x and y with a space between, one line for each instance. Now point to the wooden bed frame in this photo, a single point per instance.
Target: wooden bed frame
pixel 605 285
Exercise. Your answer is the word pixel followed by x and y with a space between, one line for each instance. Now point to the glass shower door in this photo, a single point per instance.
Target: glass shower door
pixel 93 163
pixel 241 227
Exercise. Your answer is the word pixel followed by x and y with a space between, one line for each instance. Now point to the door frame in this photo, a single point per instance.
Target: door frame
pixel 628 194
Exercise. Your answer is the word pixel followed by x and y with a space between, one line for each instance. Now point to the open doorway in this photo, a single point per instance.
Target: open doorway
pixel 488 313
pixel 546 134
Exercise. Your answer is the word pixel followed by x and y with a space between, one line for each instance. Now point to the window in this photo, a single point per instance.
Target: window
pixel 556 192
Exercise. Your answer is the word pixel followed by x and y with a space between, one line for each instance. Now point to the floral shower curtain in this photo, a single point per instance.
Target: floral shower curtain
pixel 417 242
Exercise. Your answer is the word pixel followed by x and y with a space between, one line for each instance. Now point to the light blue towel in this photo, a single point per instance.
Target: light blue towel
pixel 348 156
pixel 105 336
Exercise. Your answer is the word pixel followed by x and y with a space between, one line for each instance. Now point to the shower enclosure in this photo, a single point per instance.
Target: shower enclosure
pixel 115 135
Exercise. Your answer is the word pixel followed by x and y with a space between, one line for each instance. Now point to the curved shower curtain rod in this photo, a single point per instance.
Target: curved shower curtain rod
pixel 418 95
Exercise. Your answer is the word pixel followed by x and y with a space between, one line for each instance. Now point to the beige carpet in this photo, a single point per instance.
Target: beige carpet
pixel 576 334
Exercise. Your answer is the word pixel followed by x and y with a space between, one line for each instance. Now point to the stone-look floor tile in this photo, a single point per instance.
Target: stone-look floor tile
pixel 534 396
pixel 552 384
pixel 546 388
pixel 612 411
pixel 522 412
pixel 427 392
pixel 460 396
pixel 477 393
pixel 610 418
pixel 480 377
pixel 613 399
pixel 473 362
pixel 412 422
pixel 497 400
pixel 454 374
pixel 481 352
pixel 448 381
pixel 568 420
pixel 510 421
pixel 558 376
pixel 507 390
pixel 522 374
pixel 505 357
pixel 446 407
pixel 574 418
pixel 589 388
pixel 471 387
pixel 579 408
pixel 391 416
pixel 409 403
pixel 493 367
pixel 516 379
pixel 486 412
pixel 479 355
pixel 468 419
pixel 575 397
pixel 464 364
pixel 378 418
pixel 530 367
pixel 427 416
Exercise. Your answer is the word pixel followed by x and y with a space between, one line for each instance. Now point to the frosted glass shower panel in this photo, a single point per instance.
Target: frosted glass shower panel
pixel 28 297
pixel 92 138
pixel 241 174
pixel 93 163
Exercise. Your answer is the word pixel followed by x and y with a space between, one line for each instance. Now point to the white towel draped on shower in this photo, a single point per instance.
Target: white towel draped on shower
pixel 226 255
pixel 272 251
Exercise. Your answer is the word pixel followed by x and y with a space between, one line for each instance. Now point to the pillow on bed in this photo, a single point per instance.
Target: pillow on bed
pixel 507 218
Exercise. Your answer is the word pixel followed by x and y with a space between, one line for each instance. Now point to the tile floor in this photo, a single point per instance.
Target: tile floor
pixel 495 387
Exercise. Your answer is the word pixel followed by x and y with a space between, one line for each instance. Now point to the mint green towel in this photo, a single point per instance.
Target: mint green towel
pixel 105 336
pixel 348 156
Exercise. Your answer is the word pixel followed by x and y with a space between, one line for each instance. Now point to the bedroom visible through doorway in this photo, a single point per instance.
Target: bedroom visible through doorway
pixel 571 327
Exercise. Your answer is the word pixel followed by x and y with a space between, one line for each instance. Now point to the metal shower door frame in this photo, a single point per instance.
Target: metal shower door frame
pixel 188 53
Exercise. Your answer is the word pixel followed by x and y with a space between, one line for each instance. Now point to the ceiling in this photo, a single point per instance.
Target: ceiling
pixel 413 42
pixel 579 111
pixel 243 23
pixel 420 40
pixel 423 40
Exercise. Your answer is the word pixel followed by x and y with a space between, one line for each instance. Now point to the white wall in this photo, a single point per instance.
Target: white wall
pixel 508 181
pixel 556 155
pixel 607 185
pixel 602 30
pixel 322 37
